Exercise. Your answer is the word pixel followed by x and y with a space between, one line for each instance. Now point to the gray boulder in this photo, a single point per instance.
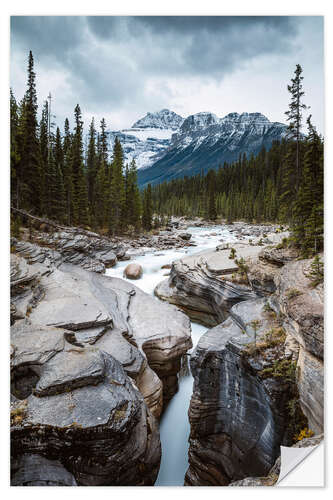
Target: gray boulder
pixel 185 236
pixel 36 470
pixel 103 434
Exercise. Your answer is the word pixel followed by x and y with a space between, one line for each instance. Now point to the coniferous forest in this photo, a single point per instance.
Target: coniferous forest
pixel 284 184
pixel 53 175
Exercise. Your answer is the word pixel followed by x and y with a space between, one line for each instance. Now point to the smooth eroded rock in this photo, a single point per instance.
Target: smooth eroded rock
pixel 133 271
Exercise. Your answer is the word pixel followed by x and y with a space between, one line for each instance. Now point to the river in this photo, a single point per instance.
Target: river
pixel 174 425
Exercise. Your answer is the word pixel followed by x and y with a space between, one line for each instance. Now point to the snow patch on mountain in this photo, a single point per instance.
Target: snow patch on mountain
pixel 164 119
pixel 166 139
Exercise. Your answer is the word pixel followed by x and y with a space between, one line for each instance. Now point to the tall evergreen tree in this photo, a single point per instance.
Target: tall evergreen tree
pixel 91 164
pixel 67 172
pixel 133 200
pixel 14 151
pixel 30 185
pixel 147 213
pixel 80 192
pixel 117 190
pixel 308 217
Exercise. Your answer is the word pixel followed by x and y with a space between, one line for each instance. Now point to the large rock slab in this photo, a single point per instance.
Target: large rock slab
pixel 103 434
pixel 145 335
pixel 237 414
pixel 84 248
pixel 274 473
pixel 33 344
pixel 197 286
pixel 310 380
pixel 70 369
pixel 36 470
pixel 301 305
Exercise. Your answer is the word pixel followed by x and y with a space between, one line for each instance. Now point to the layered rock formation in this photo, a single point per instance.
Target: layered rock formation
pixel 199 286
pixel 91 360
pixel 238 413
pixel 274 473
pixel 258 376
pixel 302 309
pixel 87 250
pixel 86 413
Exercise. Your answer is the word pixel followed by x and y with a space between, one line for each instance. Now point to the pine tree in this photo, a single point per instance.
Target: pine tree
pixel 211 205
pixel 67 172
pixel 14 151
pixel 30 167
pixel 59 200
pixel 308 215
pixel 291 170
pixel 44 150
pixel 147 214
pixel 80 192
pixel 294 115
pixel 117 190
pixel 133 200
pixel 91 165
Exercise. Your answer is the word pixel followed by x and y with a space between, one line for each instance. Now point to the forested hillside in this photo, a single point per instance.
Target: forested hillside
pixel 53 176
pixel 283 184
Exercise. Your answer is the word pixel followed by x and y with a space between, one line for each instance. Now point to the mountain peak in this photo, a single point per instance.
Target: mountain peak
pixel 164 119
pixel 246 118
pixel 198 121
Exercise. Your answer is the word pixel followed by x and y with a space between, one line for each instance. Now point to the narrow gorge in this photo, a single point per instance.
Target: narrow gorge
pixel 101 365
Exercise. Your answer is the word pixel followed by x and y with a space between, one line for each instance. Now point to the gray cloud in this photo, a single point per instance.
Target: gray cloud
pixel 112 61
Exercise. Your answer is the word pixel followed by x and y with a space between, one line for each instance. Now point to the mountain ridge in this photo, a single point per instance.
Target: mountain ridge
pixel 205 141
pixel 166 146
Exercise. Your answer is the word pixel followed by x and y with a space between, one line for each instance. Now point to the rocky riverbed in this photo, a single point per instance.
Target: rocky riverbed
pixel 95 359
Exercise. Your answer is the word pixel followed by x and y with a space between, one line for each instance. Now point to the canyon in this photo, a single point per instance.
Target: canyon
pixel 99 364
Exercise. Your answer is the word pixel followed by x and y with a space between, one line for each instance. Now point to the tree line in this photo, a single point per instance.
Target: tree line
pixel 284 184
pixel 54 176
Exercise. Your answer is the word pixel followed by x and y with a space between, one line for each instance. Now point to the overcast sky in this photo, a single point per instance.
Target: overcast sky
pixel 121 67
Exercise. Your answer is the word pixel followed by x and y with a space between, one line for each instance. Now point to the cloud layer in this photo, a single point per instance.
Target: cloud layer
pixel 122 67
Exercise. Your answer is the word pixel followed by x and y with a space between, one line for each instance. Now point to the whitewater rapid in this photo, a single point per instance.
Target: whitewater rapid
pixel 174 424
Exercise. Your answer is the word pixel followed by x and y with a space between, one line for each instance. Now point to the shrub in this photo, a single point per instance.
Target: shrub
pixel 316 273
pixel 292 293
pixel 303 434
pixel 283 244
pixel 232 253
pixel 267 309
pixel 284 369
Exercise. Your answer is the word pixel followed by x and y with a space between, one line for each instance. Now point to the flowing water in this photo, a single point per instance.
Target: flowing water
pixel 174 425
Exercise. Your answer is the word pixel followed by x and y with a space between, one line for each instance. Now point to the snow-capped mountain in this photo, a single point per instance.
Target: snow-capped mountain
pixel 205 141
pixel 164 119
pixel 166 146
pixel 147 140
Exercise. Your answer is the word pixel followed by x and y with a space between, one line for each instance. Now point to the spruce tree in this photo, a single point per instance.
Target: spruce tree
pixel 44 151
pixel 133 200
pixel 30 161
pixel 67 172
pixel 147 214
pixel 80 192
pixel 14 151
pixel 91 164
pixel 307 228
pixel 117 190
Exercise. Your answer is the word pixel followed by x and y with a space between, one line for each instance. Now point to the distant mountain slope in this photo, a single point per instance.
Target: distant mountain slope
pixel 147 140
pixel 205 141
pixel 161 119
